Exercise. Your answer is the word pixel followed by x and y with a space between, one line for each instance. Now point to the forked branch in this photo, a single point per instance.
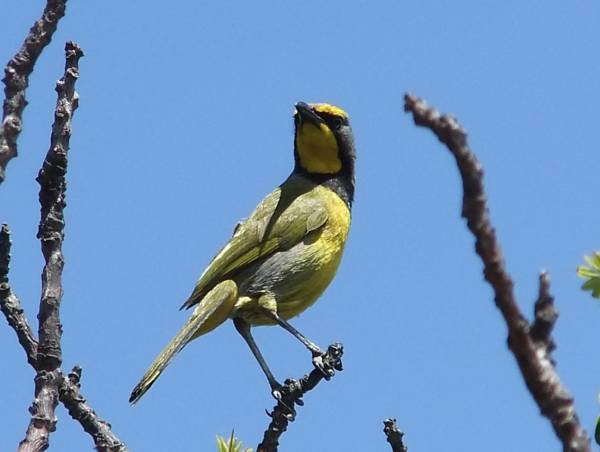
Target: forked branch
pixel 531 344
pixel 46 356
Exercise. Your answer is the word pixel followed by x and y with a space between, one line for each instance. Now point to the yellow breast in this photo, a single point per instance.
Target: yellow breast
pixel 295 277
pixel 322 252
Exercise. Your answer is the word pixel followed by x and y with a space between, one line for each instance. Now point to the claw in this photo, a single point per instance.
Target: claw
pixel 328 362
pixel 320 365
pixel 277 393
pixel 291 417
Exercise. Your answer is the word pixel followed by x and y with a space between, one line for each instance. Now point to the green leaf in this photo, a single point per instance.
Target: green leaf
pixel 597 435
pixel 232 444
pixel 591 274
pixel 221 444
pixel 596 260
pixel 585 272
pixel 588 285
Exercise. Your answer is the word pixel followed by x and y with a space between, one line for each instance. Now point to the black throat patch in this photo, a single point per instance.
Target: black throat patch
pixel 342 183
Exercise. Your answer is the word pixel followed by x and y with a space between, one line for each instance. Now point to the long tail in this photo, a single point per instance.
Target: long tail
pixel 210 313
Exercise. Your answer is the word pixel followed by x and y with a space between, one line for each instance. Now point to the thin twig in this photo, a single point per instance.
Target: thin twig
pixel 291 394
pixel 16 79
pixel 100 430
pixel 532 351
pixel 394 435
pixel 10 304
pixel 51 232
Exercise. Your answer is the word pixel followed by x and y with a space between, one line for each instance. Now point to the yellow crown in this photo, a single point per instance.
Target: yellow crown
pixel 329 109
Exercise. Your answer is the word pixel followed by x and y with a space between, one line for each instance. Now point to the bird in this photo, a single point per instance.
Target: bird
pixel 284 255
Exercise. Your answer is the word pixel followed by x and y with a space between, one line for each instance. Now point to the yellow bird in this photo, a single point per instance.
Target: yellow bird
pixel 280 259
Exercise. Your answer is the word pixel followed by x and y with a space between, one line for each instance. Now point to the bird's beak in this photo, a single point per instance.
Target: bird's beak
pixel 305 113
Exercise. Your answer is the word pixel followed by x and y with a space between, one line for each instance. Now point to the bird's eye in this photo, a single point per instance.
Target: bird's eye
pixel 337 121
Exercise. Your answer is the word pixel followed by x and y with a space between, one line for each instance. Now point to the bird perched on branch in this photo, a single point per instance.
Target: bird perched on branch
pixel 281 259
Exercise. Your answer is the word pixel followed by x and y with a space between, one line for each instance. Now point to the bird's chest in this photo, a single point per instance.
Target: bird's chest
pixel 316 259
pixel 329 242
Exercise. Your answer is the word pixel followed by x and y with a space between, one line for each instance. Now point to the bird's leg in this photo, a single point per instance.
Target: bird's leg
pixel 317 353
pixel 276 388
pixel 243 328
pixel 268 306
pixel 314 348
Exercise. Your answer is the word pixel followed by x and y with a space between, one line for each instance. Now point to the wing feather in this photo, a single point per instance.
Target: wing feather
pixel 279 222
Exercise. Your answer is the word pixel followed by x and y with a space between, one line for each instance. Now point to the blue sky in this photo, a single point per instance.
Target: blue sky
pixel 185 124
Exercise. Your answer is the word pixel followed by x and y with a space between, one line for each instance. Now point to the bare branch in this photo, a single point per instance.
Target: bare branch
pixel 51 232
pixel 10 304
pixel 16 79
pixel 45 357
pixel 50 383
pixel 532 353
pixel 52 200
pixel 291 394
pixel 545 315
pixel 100 430
pixel 394 435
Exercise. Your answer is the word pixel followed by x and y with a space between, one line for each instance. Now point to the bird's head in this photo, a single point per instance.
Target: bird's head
pixel 323 143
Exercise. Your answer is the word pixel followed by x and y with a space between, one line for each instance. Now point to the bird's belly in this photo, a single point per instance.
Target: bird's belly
pixel 307 284
pixel 295 277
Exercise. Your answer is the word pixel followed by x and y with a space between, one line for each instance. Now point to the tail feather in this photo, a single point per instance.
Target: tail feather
pixel 210 313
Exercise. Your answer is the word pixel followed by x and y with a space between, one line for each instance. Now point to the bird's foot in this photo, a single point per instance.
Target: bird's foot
pixel 285 398
pixel 330 361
